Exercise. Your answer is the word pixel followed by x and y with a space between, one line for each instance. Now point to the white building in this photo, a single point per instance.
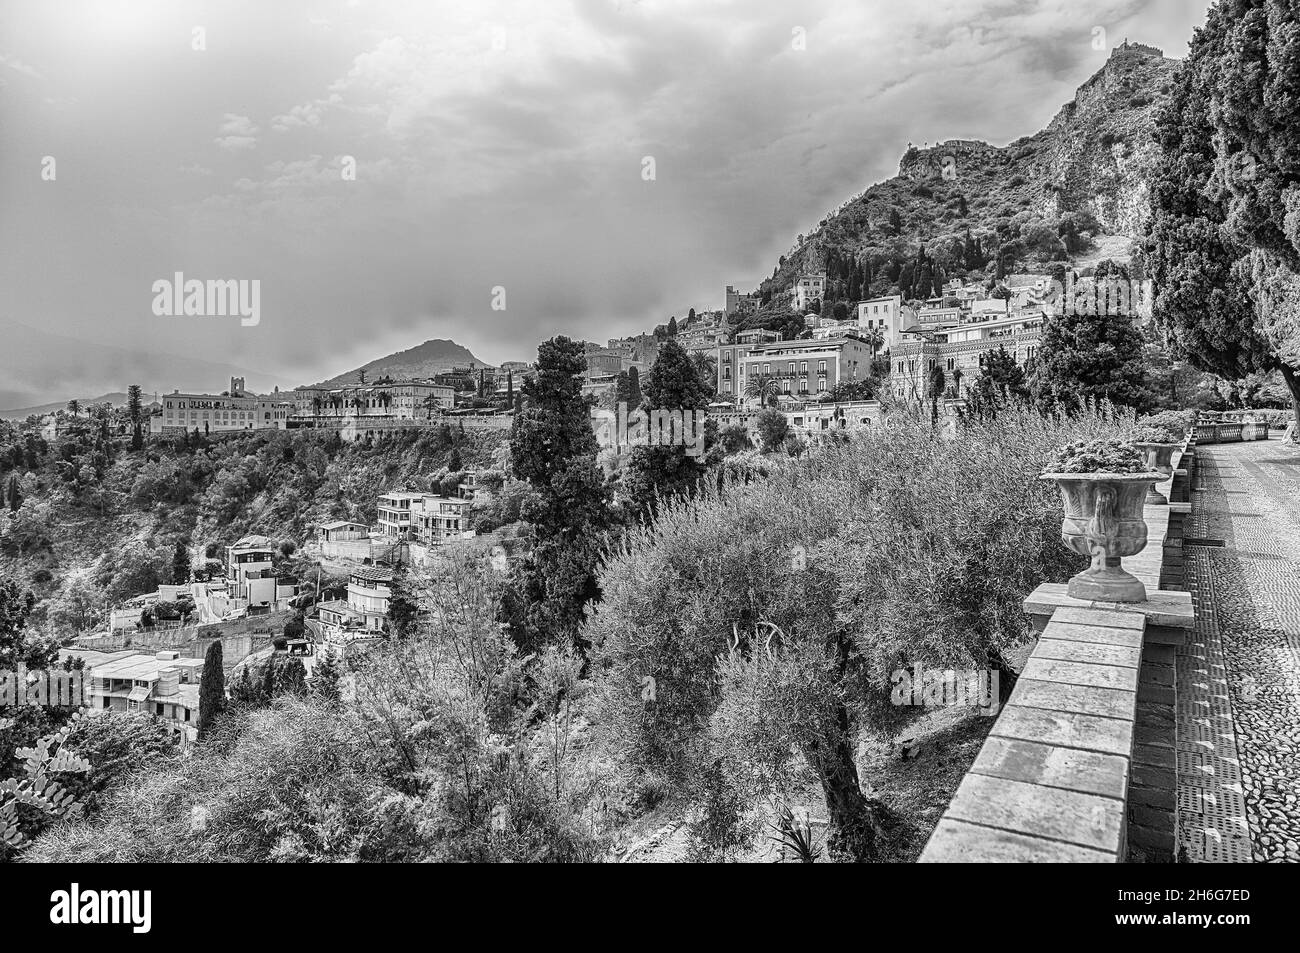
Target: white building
pixel 806 289
pixel 237 409
pixel 163 685
pixel 398 400
pixel 888 315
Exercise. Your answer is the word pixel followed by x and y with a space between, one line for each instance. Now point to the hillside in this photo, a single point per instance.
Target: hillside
pixel 1048 199
pixel 101 525
pixel 424 360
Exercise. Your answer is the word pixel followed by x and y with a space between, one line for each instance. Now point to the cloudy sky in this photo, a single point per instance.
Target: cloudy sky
pixel 496 145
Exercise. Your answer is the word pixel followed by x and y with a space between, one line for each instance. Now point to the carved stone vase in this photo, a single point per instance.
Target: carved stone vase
pixel 1103 519
pixel 1158 459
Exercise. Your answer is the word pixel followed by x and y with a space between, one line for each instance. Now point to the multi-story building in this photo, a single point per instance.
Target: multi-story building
pixel 441 517
pixel 458 379
pixel 800 368
pixel 511 376
pixel 703 338
pixel 807 288
pixel 248 557
pixel 370 589
pixel 888 315
pixel 237 409
pixel 731 359
pixel 606 362
pixel 963 348
pixel 737 303
pixel 163 685
pixel 399 400
pixel 396 512
pixel 251 577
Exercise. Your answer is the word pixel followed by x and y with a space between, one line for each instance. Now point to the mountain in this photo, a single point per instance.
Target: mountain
pixel 117 399
pixel 29 375
pixel 423 360
pixel 1069 194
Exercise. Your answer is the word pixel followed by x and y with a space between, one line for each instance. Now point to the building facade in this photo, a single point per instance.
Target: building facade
pixel 163 685
pixel 960 348
pixel 237 409
pixel 801 369
pixel 364 612
pixel 807 288
pixel 400 400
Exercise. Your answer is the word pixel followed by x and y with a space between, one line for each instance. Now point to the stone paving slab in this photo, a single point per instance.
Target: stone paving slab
pixel 1105 635
pixel 1163 607
pixel 957 842
pixel 1073 817
pixel 1086 771
pixel 1076 699
pixel 1068 729
pixel 1081 673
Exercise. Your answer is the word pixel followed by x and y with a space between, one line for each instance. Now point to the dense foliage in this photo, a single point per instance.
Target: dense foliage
pixel 756 626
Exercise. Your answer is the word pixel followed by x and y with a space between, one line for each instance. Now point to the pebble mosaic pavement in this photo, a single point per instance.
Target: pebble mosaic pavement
pixel 1239 673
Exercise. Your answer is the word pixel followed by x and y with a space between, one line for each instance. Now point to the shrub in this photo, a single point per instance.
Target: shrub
pixel 770 614
pixel 1097 456
pixel 1155 433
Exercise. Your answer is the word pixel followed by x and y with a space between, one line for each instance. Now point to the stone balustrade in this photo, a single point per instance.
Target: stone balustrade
pixel 1231 432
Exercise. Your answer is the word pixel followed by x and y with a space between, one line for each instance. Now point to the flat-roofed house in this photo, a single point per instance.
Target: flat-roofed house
pixel 163 685
pixel 366 608
pixel 396 512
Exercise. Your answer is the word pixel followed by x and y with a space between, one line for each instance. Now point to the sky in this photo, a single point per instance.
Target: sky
pixel 490 172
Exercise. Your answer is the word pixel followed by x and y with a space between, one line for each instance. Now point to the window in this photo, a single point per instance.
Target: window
pixel 821 367
pixel 803 367
pixel 158 708
pixel 791 367
pixel 767 368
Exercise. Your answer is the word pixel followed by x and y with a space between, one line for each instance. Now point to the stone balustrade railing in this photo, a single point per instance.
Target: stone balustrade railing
pixel 1230 432
pixel 1080 765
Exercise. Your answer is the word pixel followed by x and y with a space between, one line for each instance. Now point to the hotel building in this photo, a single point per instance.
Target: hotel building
pixel 237 409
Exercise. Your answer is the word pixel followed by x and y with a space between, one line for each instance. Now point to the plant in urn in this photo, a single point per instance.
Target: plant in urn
pixel 1157 442
pixel 1103 485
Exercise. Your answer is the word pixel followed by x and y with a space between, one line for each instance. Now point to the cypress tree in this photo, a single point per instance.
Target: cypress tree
pixel 212 687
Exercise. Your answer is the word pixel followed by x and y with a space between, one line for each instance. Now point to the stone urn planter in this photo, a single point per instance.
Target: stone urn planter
pixel 1159 459
pixel 1103 519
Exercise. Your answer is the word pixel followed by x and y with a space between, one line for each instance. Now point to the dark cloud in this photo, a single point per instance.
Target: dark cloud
pixel 495 144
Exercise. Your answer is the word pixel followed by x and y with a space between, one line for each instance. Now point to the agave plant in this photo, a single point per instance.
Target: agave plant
pixel 795 833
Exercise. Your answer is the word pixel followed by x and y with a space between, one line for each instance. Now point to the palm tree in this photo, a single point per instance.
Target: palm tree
pixel 875 337
pixel 765 387
pixel 74 407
